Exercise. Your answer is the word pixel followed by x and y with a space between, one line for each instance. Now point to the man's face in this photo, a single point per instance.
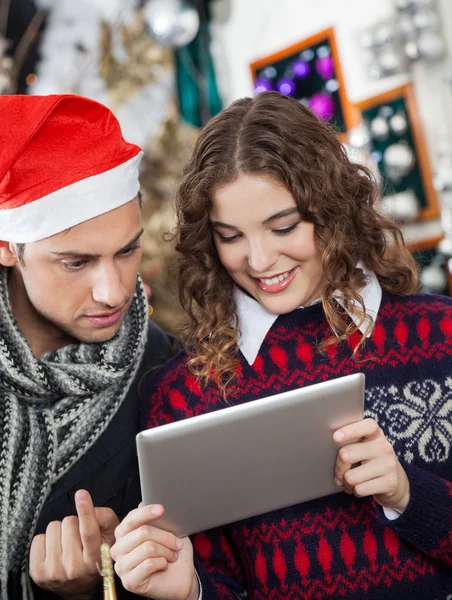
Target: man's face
pixel 81 282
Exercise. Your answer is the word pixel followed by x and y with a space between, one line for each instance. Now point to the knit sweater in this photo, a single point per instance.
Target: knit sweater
pixel 340 546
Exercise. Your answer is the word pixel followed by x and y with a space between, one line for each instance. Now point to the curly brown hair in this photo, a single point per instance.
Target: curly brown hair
pixel 276 137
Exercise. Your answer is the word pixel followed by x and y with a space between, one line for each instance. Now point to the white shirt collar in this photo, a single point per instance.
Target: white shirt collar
pixel 255 321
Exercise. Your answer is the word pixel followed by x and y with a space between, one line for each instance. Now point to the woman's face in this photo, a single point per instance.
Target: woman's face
pixel 264 245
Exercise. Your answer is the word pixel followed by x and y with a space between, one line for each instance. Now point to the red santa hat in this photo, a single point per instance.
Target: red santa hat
pixel 63 160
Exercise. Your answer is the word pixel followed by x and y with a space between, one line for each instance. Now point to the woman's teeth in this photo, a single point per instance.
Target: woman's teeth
pixel 274 280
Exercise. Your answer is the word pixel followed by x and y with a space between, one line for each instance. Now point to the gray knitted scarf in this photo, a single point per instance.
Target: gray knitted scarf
pixel 51 412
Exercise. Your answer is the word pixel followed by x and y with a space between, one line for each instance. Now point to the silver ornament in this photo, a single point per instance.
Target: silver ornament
pixel 412 51
pixel 398 124
pixel 379 128
pixel 359 137
pixel 433 279
pixel 399 160
pixel 402 207
pixel 431 45
pixel 383 33
pixel 390 61
pixel 171 22
pixel 445 247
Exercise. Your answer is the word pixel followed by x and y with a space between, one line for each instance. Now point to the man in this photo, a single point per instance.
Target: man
pixel 75 340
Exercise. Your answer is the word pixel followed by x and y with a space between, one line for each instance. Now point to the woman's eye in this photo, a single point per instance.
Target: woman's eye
pixel 227 240
pixel 285 230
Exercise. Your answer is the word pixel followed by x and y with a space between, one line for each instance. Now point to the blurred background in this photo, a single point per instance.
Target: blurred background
pixel 381 71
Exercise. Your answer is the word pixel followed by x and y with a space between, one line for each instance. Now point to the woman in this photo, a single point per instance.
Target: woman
pixel 290 276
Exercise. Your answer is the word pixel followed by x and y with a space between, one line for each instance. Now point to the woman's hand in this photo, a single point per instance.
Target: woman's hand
pixel 152 562
pixel 379 473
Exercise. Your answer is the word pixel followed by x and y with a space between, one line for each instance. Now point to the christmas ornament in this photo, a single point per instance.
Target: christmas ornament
pixel 301 68
pixel 262 85
pixel 171 22
pixel 325 67
pixel 285 86
pixel 322 105
pixel 359 137
pixel 399 160
pixel 433 279
pixel 379 128
pixel 402 207
pixel 398 124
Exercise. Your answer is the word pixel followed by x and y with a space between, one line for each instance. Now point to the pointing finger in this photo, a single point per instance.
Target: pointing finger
pixel 88 526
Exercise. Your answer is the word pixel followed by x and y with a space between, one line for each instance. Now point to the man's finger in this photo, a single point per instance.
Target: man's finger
pixel 37 556
pixel 88 527
pixel 108 521
pixel 53 543
pixel 70 538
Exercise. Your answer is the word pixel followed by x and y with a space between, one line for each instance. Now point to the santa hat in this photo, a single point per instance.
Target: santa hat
pixel 63 160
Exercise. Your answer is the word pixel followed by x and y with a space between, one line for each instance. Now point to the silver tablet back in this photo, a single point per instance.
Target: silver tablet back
pixel 247 460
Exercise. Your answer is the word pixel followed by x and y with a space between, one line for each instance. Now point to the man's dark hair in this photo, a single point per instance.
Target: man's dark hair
pixel 20 253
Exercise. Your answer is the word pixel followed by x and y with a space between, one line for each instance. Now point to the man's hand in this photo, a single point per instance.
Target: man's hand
pixel 379 473
pixel 65 559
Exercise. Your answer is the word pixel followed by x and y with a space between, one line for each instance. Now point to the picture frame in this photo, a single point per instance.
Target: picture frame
pixel 314 84
pixel 420 180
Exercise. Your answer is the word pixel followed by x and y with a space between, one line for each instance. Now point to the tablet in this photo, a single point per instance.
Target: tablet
pixel 246 460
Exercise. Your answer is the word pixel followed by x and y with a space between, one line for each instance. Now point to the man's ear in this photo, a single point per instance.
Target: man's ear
pixel 8 254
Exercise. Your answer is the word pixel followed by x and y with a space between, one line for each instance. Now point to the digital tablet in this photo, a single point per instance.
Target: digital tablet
pixel 246 460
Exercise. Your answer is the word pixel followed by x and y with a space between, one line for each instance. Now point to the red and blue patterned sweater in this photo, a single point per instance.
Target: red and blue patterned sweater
pixel 340 547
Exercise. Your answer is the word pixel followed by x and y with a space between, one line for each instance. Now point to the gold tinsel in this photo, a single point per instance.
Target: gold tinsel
pixel 162 166
pixel 164 157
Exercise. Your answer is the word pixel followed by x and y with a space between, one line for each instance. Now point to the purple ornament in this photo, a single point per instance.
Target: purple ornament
pixel 301 68
pixel 262 85
pixel 322 105
pixel 325 67
pixel 285 86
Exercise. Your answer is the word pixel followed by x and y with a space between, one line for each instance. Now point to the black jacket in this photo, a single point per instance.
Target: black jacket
pixel 109 470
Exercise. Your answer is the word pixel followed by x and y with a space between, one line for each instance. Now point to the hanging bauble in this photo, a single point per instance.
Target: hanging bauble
pixel 325 67
pixel 374 70
pixel 301 68
pixel 398 124
pixel 322 105
pixel 399 160
pixel 366 39
pixel 383 33
pixel 285 86
pixel 262 85
pixel 403 4
pixel 445 247
pixel 171 22
pixel 412 51
pixel 431 45
pixel 390 61
pixel 425 19
pixel 433 279
pixel 402 207
pixel 379 128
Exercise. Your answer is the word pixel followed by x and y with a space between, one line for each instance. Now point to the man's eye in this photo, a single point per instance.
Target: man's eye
pixel 128 251
pixel 75 265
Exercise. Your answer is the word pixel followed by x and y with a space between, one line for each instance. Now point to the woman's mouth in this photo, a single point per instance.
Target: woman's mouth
pixel 277 283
